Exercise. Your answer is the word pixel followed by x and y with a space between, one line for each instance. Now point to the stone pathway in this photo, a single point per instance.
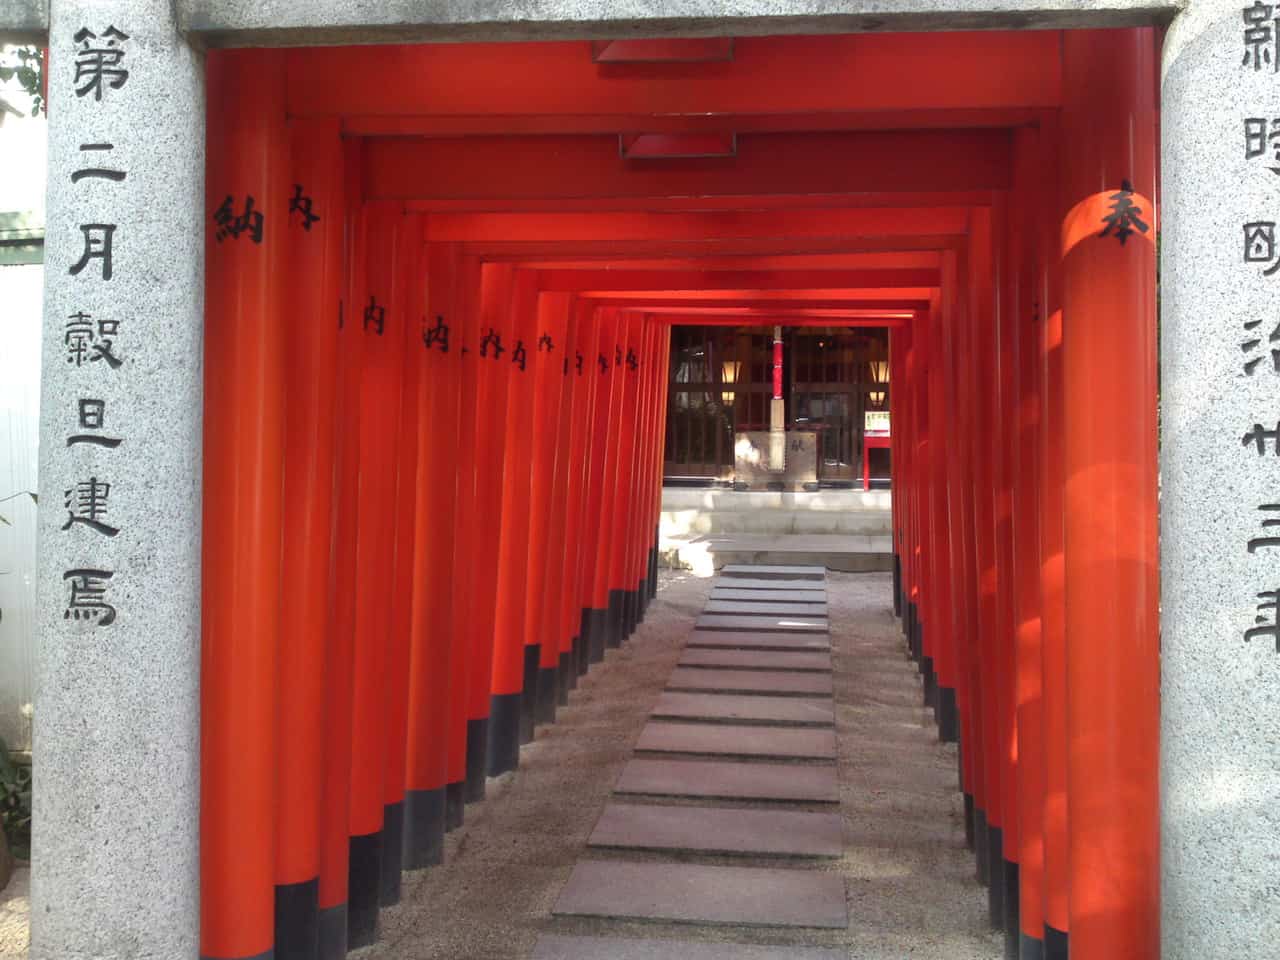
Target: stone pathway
pixel 904 876
pixel 784 751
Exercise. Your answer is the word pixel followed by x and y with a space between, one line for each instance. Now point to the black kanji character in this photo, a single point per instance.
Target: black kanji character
pixel 302 205
pixel 375 315
pixel 1259 436
pixel 437 334
pixel 1255 344
pixel 86 503
pixel 92 415
pixel 100 173
pixel 99 64
pixel 81 337
pixel 1268 624
pixel 1260 36
pixel 1125 216
pixel 1258 543
pixel 231 225
pixel 88 596
pixel 97 246
pixel 492 339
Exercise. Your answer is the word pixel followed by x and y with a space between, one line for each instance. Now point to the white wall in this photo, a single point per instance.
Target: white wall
pixel 20 300
pixel 22 187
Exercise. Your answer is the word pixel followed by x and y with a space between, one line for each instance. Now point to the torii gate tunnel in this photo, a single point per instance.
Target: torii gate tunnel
pixel 410 495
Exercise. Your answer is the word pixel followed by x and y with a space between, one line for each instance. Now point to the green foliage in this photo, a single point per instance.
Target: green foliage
pixel 15 802
pixel 27 65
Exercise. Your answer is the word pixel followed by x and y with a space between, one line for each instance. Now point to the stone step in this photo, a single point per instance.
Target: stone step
pixel 777 522
pixel 724 590
pixel 769 624
pixel 737 640
pixel 757 660
pixel 769 682
pixel 693 893
pixel 783 711
pixel 742 608
pixel 761 584
pixel 553 947
pixel 774 571
pixel 735 740
pixel 704 553
pixel 730 780
pixel 718 830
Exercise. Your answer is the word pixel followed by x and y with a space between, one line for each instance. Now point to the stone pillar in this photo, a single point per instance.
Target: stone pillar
pixel 117 709
pixel 1220 719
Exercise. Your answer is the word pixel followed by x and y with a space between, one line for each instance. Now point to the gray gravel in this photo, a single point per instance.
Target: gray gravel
pixel 909 879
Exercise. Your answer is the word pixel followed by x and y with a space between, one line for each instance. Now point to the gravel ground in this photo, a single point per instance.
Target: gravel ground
pixel 909 880
pixel 908 877
pixel 13 915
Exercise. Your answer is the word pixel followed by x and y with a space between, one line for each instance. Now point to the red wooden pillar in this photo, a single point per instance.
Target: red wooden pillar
pixel 971 424
pixel 314 280
pixel 942 437
pixel 607 573
pixel 577 613
pixel 985 396
pixel 619 490
pixel 432 631
pixel 901 339
pixel 930 609
pixel 650 442
pixel 1052 555
pixel 341 607
pixel 897 347
pixel 547 533
pixel 960 541
pixel 464 336
pixel 1026 548
pixel 593 569
pixel 513 667
pixel 908 512
pixel 493 380
pixel 245 358
pixel 1003 434
pixel 663 373
pixel 629 474
pixel 1110 390
pixel 408 303
pixel 381 325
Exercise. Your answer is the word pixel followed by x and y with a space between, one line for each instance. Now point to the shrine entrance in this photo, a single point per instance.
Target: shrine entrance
pixel 390 487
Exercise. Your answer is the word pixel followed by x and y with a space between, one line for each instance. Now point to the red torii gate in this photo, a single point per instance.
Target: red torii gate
pixel 1016 524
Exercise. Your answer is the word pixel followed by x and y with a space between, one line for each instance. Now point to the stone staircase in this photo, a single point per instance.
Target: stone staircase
pixel 730 806
pixel 704 529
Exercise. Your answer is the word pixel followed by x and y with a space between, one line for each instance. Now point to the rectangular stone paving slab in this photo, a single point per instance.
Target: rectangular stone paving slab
pixel 551 947
pixel 784 711
pixel 734 639
pixel 768 596
pixel 777 683
pixel 717 830
pixel 692 893
pixel 766 571
pixel 729 780
pixel 742 608
pixel 761 583
pixel 720 621
pixel 736 740
pixel 757 659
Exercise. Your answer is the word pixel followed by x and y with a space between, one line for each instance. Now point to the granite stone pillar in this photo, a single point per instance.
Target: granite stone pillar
pixel 117 708
pixel 1220 288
